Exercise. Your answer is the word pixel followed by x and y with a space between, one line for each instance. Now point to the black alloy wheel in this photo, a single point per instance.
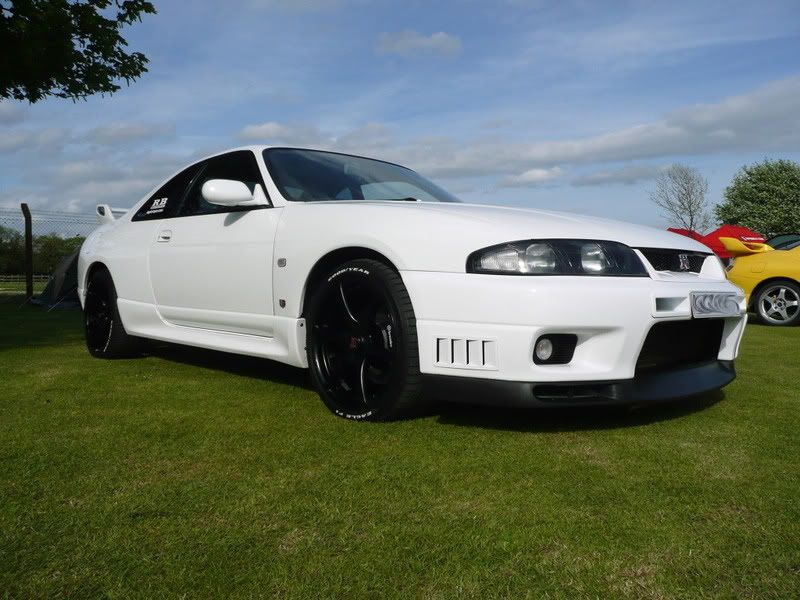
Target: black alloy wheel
pixel 105 335
pixel 362 342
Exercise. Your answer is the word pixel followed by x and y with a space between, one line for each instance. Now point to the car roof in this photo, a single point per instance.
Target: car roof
pixel 258 148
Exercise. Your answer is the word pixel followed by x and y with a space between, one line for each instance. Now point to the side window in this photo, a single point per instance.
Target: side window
pixel 238 166
pixel 165 203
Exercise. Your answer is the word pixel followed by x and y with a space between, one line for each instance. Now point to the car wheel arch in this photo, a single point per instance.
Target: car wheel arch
pixel 94 268
pixel 337 257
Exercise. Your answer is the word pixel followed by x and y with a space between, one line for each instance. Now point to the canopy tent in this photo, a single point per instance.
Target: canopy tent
pixel 730 231
pixel 687 232
pixel 62 288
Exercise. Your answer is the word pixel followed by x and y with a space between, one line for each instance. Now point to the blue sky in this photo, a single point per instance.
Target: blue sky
pixel 561 105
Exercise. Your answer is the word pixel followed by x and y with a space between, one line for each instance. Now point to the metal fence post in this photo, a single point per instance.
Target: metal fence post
pixel 26 212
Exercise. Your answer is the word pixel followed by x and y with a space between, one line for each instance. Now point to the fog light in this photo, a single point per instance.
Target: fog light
pixel 544 349
pixel 554 349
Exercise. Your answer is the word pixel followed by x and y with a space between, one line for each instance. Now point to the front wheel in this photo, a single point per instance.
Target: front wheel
pixel 778 303
pixel 362 342
pixel 105 335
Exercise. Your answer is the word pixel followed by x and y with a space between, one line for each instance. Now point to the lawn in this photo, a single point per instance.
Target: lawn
pixel 199 475
pixel 15 288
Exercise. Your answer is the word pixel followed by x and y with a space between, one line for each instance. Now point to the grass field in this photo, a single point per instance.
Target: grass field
pixel 191 474
pixel 12 289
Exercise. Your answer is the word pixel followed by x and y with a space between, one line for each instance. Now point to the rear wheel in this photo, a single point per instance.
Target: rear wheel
pixel 778 303
pixel 105 334
pixel 362 342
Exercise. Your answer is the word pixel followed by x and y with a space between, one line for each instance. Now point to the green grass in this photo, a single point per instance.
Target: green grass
pixel 199 475
pixel 16 288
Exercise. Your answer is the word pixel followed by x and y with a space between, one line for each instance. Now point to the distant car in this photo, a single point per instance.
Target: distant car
pixel 779 242
pixel 388 288
pixel 769 277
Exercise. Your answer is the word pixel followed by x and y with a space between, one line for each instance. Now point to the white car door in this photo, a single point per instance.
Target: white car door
pixel 211 266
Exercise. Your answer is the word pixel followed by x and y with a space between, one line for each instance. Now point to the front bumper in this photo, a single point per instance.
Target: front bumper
pixel 477 328
pixel 655 387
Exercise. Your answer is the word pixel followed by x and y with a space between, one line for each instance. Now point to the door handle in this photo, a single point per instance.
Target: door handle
pixel 165 235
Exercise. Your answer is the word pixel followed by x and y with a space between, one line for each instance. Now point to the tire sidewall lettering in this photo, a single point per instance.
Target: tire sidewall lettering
pixel 348 270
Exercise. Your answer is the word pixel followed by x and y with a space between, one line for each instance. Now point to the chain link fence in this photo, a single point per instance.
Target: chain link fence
pixel 33 245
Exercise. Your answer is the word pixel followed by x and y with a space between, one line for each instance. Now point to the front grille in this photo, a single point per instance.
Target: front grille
pixel 674 344
pixel 580 392
pixel 662 259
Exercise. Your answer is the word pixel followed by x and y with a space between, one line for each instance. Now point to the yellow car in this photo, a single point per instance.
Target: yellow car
pixel 770 279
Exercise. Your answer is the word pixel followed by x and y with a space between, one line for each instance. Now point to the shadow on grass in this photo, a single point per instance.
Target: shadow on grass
pixel 34 326
pixel 556 419
pixel 534 419
pixel 23 325
pixel 236 364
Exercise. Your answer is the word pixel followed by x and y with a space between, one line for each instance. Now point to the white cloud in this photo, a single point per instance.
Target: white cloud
pixel 367 138
pixel 531 177
pixel 371 136
pixel 627 175
pixel 10 141
pixel 123 133
pixel 11 113
pixel 762 120
pixel 296 5
pixel 759 121
pixel 81 171
pixel 648 32
pixel 409 43
pixel 273 132
pixel 48 141
pixel 124 192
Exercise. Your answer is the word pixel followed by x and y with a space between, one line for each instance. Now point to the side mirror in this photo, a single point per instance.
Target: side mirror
pixel 227 192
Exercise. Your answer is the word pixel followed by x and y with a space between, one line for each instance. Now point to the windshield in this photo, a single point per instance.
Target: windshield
pixel 311 175
pixel 782 241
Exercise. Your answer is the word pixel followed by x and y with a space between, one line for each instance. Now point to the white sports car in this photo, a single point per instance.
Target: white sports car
pixel 388 288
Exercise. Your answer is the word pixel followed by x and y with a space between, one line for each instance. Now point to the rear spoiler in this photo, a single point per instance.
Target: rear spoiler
pixel 106 213
pixel 740 248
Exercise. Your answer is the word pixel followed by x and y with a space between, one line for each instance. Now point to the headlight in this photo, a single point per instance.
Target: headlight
pixel 593 259
pixel 557 257
pixel 539 258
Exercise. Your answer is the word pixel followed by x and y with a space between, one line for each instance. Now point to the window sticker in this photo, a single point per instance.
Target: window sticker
pixel 158 206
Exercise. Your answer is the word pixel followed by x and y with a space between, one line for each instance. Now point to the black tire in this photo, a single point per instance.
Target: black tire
pixel 778 303
pixel 105 334
pixel 361 343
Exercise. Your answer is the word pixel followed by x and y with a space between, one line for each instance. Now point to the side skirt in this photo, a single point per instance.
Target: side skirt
pixel 287 344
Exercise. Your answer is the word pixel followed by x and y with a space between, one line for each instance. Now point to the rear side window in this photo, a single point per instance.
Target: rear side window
pixel 166 202
pixel 238 166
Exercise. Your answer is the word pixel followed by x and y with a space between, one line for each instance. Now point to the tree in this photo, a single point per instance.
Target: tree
pixel 50 249
pixel 680 193
pixel 12 251
pixel 764 197
pixel 67 48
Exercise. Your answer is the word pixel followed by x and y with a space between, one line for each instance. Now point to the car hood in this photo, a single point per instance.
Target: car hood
pixel 431 236
pixel 505 224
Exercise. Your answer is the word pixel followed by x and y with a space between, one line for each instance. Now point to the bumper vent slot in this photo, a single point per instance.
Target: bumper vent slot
pixel 465 353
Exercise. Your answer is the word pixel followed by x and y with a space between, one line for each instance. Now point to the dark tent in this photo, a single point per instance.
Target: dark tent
pixel 62 288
